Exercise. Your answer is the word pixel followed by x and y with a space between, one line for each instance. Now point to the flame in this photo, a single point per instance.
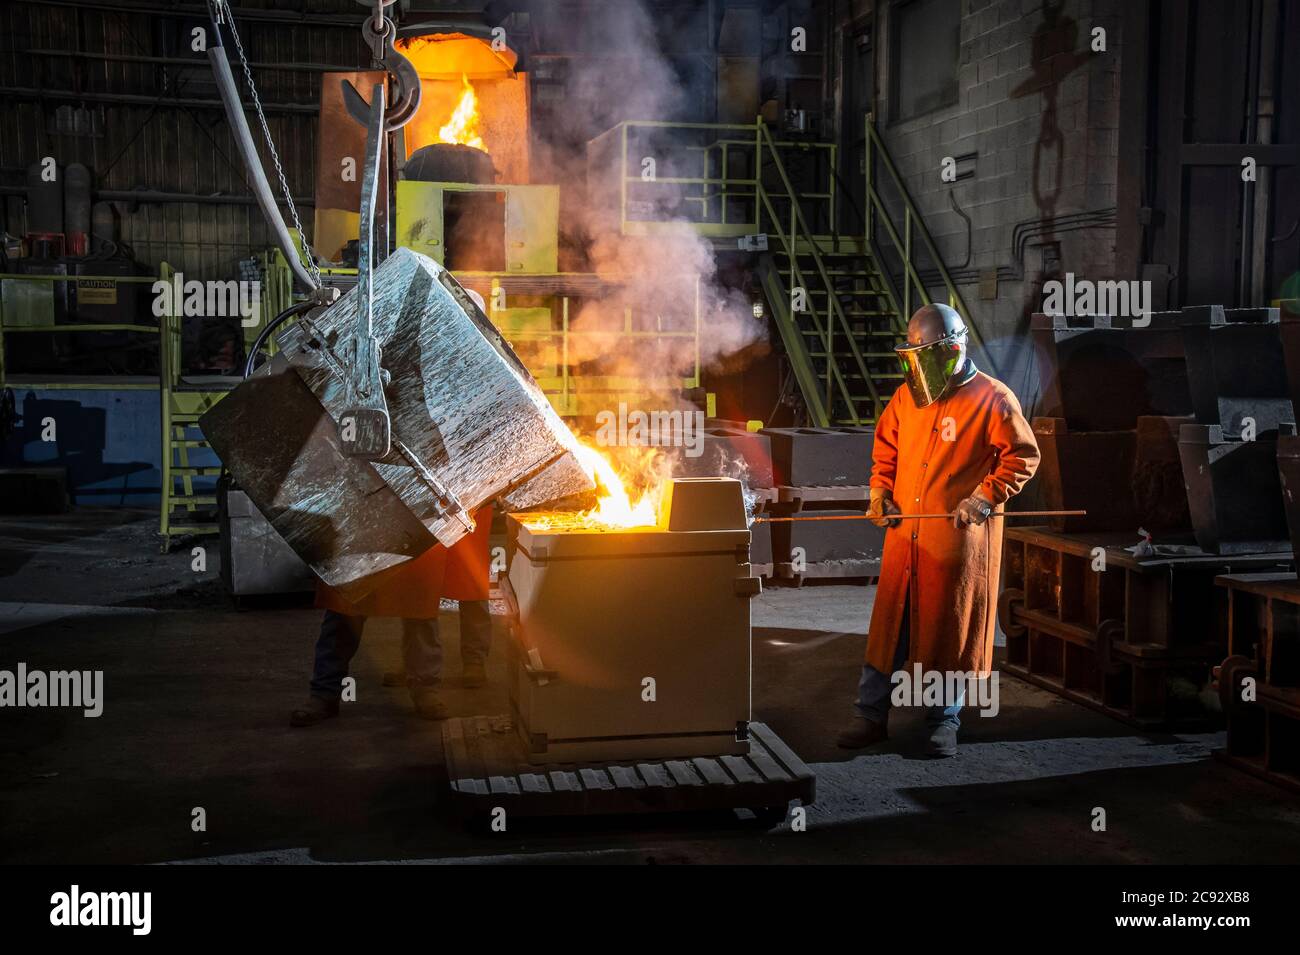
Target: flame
pixel 614 504
pixel 462 128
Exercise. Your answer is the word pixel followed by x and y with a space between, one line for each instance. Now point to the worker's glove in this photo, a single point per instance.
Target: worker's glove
pixel 974 510
pixel 881 507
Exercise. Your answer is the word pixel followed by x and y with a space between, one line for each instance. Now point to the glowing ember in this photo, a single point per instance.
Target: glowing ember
pixel 462 128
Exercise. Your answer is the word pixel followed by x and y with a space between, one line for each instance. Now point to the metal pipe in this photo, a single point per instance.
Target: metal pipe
pixel 293 310
pixel 914 517
pixel 256 174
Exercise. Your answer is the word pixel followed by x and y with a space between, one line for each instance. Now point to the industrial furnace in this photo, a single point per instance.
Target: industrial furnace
pixel 633 643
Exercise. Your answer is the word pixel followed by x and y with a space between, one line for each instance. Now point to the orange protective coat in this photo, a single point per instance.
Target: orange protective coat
pixel 415 589
pixel 932 458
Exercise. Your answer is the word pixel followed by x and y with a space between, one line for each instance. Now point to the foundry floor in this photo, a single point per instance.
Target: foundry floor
pixel 198 693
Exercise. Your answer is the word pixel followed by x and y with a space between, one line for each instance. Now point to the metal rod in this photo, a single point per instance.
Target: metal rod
pixel 915 517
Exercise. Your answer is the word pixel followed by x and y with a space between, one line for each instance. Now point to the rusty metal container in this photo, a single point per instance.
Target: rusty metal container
pixel 469 425
pixel 633 644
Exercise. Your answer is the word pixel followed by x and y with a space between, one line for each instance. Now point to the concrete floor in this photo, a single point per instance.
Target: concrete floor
pixel 198 693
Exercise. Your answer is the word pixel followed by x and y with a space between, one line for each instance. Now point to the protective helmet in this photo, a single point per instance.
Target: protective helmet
pixel 935 353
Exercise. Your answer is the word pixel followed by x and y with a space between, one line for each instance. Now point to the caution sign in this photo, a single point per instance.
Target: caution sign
pixel 96 292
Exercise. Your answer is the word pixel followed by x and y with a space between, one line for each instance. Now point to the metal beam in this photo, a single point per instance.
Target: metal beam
pixel 196 62
pixel 134 99
pixel 158 196
pixel 188 11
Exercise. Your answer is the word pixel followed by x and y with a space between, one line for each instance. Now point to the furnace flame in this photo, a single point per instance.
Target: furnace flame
pixel 614 504
pixel 462 128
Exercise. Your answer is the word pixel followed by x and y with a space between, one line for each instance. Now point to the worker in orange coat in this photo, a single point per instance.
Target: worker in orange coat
pixel 412 591
pixel 953 441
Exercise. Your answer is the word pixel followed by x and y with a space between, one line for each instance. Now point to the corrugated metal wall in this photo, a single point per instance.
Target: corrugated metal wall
pixel 117 86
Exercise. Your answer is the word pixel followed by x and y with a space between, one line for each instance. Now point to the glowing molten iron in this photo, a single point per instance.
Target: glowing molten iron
pixel 462 128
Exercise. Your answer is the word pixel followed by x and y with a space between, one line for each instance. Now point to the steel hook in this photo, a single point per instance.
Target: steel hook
pixel 380 34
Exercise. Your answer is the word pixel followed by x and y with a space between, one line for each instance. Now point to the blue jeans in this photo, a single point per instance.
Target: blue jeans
pixel 340 637
pixel 875 687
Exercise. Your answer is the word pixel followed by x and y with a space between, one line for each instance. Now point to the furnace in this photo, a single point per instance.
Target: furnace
pixel 633 643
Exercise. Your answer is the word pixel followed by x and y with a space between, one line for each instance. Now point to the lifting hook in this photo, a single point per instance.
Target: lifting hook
pixel 380 32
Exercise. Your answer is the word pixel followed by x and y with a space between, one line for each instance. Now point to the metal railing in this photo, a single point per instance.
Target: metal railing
pixel 769 203
pixel 10 326
pixel 913 227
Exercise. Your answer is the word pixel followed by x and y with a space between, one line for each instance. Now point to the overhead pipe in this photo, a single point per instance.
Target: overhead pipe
pixel 256 174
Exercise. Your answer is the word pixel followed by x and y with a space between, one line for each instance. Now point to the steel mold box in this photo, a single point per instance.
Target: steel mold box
pixel 600 612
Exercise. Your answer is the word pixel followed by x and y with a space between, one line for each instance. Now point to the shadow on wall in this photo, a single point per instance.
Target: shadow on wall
pixel 69 433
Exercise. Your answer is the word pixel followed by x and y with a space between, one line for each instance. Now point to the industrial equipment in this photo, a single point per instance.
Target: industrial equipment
pixel 634 643
pixel 468 425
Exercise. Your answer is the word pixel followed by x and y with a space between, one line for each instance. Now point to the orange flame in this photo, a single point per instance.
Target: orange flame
pixel 629 484
pixel 462 128
pixel 614 504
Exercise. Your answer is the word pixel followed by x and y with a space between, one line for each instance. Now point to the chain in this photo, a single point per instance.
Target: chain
pixel 229 19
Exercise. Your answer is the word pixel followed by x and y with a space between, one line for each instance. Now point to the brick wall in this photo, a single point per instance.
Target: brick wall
pixel 1041 111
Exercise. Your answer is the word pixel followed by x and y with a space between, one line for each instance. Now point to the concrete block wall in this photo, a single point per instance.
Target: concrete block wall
pixel 1041 111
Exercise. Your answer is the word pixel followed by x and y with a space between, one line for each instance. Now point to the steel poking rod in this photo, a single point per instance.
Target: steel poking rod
pixel 915 517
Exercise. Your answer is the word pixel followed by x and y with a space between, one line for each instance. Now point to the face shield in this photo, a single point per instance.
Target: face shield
pixel 929 368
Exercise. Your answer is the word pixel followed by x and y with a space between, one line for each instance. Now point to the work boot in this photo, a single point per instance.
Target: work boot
pixel 473 675
pixel 429 705
pixel 943 742
pixel 863 733
pixel 317 710
pixel 394 678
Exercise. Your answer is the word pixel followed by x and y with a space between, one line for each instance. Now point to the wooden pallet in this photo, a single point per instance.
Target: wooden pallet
pixel 488 770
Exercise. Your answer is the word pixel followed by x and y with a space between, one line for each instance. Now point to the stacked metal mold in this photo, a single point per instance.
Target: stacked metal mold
pixel 823 472
pixel 1145 425
pixel 1240 397
pixel 1114 394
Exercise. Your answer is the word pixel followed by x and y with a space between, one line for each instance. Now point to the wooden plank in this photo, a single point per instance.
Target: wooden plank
pixel 564 782
pixel 766 765
pixel 739 767
pixel 682 773
pixel 595 778
pixel 783 754
pixel 625 777
pixel 507 785
pixel 713 773
pixel 534 783
pixel 565 789
pixel 654 775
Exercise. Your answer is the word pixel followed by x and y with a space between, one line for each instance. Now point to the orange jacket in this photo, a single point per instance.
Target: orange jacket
pixel 932 458
pixel 415 589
